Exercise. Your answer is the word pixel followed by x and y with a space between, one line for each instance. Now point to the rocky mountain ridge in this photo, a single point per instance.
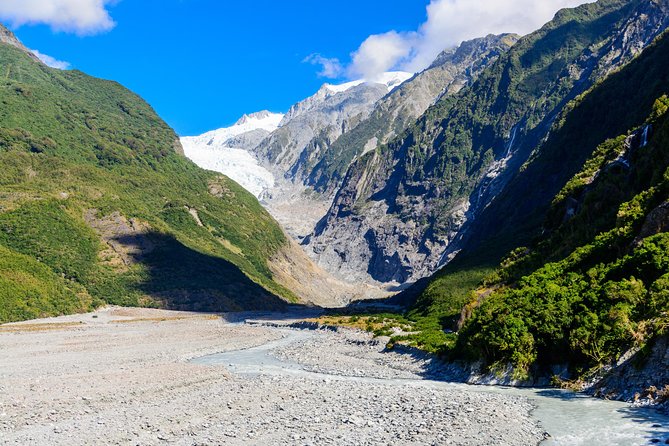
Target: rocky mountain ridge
pixel 404 209
pixel 449 73
pixel 8 37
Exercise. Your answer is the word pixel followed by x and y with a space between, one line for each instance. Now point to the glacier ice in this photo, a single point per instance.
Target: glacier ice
pixel 220 150
pixel 213 151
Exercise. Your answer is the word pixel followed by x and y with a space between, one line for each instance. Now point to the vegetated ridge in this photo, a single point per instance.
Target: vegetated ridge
pixel 99 205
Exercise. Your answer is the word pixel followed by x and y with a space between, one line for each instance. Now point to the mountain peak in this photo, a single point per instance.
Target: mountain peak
pixel 475 47
pixel 262 120
pixel 390 79
pixel 257 116
pixel 9 38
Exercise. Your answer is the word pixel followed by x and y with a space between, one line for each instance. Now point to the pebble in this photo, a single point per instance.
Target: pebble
pixel 160 398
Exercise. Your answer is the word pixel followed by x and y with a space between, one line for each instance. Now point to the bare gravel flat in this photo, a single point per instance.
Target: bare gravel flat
pixel 124 376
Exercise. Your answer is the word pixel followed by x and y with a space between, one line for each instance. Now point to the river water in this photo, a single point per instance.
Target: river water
pixel 571 419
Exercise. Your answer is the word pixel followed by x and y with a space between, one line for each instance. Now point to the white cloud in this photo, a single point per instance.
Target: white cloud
pixel 379 53
pixel 78 16
pixel 331 68
pixel 51 61
pixel 450 22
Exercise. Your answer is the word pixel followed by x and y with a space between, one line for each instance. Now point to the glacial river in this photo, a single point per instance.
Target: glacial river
pixel 571 419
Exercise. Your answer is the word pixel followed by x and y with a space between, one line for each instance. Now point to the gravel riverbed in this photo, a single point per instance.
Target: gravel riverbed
pixel 125 376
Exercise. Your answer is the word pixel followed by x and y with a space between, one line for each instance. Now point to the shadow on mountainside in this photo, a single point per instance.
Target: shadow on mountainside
pixel 184 279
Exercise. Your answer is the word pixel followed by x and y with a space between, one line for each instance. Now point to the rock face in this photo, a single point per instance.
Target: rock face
pixel 313 124
pixel 292 268
pixel 637 372
pixel 405 208
pixel 451 71
pixel 320 136
pixel 8 37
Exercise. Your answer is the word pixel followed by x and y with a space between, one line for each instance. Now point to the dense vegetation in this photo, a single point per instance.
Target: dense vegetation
pixel 98 205
pixel 593 282
pixel 603 297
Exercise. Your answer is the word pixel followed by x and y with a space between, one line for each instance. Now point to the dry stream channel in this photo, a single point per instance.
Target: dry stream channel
pixel 569 418
pixel 126 376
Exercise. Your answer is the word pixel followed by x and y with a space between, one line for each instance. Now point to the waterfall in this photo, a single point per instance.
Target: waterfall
pixel 644 135
pixel 509 146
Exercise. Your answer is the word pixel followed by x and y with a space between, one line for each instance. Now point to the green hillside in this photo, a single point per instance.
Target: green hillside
pixel 98 205
pixel 596 299
pixel 592 282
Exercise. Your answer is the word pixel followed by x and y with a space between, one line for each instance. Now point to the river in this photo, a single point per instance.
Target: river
pixel 570 418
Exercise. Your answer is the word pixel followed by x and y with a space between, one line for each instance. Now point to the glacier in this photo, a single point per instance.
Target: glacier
pixel 216 151
pixel 228 150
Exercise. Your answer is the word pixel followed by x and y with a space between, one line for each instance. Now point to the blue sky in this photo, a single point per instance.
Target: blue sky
pixel 203 63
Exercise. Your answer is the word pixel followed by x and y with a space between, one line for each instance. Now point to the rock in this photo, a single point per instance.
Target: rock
pixel 402 212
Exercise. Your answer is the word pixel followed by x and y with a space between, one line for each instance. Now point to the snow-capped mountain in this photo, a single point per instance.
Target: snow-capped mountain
pixel 260 122
pixel 311 125
pixel 391 79
pixel 226 150
pixel 271 154
pixel 234 151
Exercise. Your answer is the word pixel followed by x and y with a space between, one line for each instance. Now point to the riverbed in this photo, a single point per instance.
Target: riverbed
pixel 569 418
pixel 152 377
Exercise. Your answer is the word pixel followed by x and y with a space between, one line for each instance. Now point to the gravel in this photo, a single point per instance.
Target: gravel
pixel 124 377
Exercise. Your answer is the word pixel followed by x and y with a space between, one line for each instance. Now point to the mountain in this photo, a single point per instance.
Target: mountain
pixel 304 138
pixel 319 137
pixel 311 125
pixel 264 151
pixel 226 150
pixel 449 73
pixel 563 277
pixel 592 289
pixel 406 208
pixel 99 205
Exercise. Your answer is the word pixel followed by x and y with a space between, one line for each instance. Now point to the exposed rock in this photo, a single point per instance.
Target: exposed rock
pixel 405 210
pixel 248 140
pixel 127 241
pixel 637 372
pixel 178 147
pixel 8 37
pixel 312 125
pixel 292 268
pixel 193 212
pixel 657 221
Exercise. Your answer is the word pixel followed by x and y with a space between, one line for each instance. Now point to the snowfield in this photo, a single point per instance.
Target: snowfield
pixel 391 79
pixel 215 151
pixel 221 150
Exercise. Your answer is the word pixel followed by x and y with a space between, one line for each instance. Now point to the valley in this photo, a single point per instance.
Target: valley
pixel 494 191
pixel 154 377
pixel 462 251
